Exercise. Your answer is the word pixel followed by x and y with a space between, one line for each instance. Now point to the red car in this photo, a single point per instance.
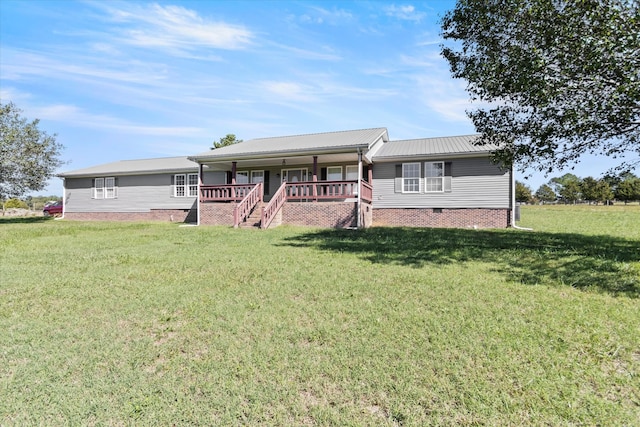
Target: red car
pixel 53 209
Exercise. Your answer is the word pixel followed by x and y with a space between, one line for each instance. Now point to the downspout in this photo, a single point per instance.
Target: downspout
pixel 359 220
pixel 64 197
pixel 513 203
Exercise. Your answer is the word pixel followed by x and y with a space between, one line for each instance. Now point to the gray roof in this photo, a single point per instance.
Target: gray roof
pixel 443 146
pixel 296 144
pixel 132 167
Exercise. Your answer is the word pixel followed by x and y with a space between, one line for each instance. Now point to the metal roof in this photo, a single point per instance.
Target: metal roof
pixel 129 167
pixel 448 145
pixel 296 144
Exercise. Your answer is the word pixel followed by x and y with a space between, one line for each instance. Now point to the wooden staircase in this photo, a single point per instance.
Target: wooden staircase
pixel 253 220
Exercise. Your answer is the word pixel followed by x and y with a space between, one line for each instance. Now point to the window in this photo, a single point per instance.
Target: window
pixel 98 189
pixel 334 173
pixel 105 188
pixel 109 188
pixel 411 177
pixel 242 177
pixel 351 173
pixel 257 176
pixel 193 185
pixel 186 185
pixel 434 176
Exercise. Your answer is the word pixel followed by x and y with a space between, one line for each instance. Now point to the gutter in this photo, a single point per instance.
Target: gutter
pixel 272 154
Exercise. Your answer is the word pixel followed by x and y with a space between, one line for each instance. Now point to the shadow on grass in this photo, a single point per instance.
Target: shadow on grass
pixel 24 219
pixel 601 263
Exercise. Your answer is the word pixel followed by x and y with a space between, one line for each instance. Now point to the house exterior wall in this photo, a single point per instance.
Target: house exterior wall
pixel 475 183
pixel 135 193
pixel 216 213
pixel 168 215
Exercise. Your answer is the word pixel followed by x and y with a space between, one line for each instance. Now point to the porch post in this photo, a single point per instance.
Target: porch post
pixel 315 178
pixel 370 174
pixel 359 221
pixel 233 178
pixel 200 182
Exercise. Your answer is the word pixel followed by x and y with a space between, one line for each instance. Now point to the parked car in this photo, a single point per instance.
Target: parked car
pixel 52 209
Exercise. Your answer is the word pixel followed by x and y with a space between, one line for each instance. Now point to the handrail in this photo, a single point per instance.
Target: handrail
pixel 243 209
pixel 319 190
pixel 367 192
pixel 275 204
pixel 224 193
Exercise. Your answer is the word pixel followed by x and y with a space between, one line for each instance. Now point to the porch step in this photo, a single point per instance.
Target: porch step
pixel 253 220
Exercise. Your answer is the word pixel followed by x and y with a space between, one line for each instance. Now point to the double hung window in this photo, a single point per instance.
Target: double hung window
pixel 411 177
pixel 434 176
pixel 186 185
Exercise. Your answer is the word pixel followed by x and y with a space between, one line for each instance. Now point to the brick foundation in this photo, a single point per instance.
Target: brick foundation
pixel 442 218
pixel 167 215
pixel 216 213
pixel 323 214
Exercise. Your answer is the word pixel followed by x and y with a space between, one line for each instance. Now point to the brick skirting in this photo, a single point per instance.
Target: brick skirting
pixel 442 218
pixel 216 213
pixel 322 214
pixel 167 215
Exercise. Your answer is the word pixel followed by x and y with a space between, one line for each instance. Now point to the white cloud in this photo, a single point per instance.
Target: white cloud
pixel 76 117
pixel 175 27
pixel 404 12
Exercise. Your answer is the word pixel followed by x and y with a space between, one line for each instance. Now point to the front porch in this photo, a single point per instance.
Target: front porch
pixel 345 203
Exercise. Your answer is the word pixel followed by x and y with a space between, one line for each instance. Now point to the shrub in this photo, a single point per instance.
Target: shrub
pixel 15 203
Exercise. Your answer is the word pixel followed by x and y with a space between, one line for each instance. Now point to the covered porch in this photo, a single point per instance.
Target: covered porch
pixel 341 182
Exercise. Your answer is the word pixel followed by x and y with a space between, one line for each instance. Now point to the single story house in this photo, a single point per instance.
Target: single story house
pixel 354 178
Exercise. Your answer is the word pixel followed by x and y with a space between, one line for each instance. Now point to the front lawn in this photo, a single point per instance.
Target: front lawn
pixel 155 324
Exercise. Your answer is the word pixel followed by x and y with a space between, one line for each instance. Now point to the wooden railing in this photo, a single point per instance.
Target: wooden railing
pixel 321 190
pixel 246 205
pixel 366 192
pixel 225 193
pixel 275 204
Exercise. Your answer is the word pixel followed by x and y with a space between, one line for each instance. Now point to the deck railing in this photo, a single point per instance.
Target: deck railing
pixel 246 205
pixel 366 192
pixel 225 193
pixel 275 204
pixel 321 190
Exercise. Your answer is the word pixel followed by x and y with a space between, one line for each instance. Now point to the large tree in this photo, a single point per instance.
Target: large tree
pixel 555 79
pixel 28 155
pixel 546 194
pixel 523 192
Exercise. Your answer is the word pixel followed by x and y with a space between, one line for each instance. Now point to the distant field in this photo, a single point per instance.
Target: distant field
pixel 155 324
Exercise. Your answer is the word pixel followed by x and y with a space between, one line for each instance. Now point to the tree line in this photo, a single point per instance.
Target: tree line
pixel 570 188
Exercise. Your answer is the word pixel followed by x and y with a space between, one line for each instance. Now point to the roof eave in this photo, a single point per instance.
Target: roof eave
pixel 432 156
pixel 275 154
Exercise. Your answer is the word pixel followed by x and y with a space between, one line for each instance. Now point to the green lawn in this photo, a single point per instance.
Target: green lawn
pixel 155 324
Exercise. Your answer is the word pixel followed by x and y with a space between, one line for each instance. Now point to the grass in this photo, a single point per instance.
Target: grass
pixel 154 324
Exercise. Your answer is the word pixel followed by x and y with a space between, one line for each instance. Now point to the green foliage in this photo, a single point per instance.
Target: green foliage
pixel 546 194
pixel 229 139
pixel 561 78
pixel 570 192
pixel 28 156
pixel 15 204
pixel 523 193
pixel 628 189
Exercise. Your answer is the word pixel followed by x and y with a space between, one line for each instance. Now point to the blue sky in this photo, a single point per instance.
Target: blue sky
pixel 126 80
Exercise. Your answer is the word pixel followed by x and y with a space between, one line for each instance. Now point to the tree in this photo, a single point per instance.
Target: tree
pixel 628 189
pixel 28 156
pixel 523 192
pixel 570 192
pixel 546 194
pixel 558 183
pixel 559 78
pixel 603 193
pixel 589 189
pixel 229 139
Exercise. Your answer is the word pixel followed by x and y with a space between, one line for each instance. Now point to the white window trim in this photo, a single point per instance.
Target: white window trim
pixel 284 173
pixel 192 185
pixel 186 186
pixel 404 178
pixel 110 190
pixel 334 167
pixel 427 178
pixel 98 189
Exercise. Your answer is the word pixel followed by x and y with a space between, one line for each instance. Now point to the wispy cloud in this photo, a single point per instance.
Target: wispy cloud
pixel 174 27
pixel 404 12
pixel 319 15
pixel 76 117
